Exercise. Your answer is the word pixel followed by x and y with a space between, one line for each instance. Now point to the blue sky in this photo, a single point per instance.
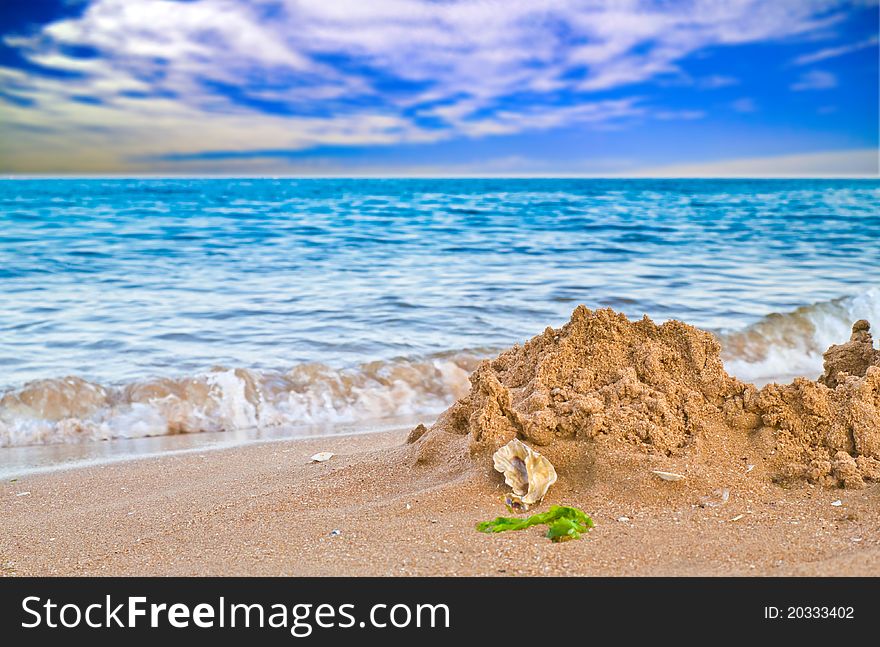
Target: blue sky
pixel 439 87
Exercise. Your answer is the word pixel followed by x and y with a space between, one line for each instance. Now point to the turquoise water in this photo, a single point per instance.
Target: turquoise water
pixel 191 305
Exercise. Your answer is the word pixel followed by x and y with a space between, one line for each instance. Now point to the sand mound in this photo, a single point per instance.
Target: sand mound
pixel 663 390
pixel 828 431
pixel 851 358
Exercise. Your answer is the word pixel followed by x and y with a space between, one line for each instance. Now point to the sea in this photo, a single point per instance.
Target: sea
pixel 138 312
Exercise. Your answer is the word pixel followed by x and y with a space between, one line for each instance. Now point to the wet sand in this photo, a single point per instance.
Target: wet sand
pixel 263 509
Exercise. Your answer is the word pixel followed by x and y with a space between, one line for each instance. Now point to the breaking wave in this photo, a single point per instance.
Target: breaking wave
pixel 71 409
pixel 791 344
pixel 778 347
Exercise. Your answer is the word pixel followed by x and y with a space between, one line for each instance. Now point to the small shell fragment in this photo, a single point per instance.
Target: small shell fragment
pixel 837 503
pixel 719 498
pixel 668 476
pixel 738 517
pixel 321 457
pixel 525 470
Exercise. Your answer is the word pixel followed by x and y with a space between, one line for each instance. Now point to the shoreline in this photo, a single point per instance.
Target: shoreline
pixel 31 460
pixel 263 509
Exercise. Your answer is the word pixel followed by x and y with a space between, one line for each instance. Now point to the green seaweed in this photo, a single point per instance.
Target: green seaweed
pixel 565 522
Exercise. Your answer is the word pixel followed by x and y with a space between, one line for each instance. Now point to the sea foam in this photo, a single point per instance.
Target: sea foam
pixel 786 345
pixel 71 409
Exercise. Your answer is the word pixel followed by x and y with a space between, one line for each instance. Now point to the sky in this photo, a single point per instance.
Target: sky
pixel 440 87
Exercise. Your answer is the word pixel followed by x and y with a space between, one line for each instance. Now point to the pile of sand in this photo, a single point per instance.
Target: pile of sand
pixel 828 431
pixel 663 390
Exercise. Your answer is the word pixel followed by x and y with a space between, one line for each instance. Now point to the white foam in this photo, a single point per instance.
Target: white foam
pixel 71 410
pixel 782 346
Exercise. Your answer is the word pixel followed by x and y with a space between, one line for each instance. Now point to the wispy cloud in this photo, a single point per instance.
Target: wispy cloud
pixel 834 52
pixel 744 105
pixel 847 163
pixel 131 79
pixel 716 81
pixel 669 115
pixel 815 80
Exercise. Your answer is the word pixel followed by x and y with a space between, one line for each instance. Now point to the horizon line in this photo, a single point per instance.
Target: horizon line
pixel 428 176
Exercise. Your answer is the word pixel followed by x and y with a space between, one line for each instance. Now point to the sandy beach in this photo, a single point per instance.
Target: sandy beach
pixel 777 481
pixel 265 510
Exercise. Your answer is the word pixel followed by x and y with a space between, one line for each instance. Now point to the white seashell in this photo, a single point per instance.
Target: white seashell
pixel 668 476
pixel 525 470
pixel 320 457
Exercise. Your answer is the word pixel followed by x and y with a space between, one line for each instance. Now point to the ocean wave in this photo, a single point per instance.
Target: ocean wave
pixel 786 345
pixel 72 409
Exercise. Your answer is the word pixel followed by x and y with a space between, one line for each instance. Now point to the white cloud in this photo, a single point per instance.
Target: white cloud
pixel 815 80
pixel 848 163
pixel 221 75
pixel 688 115
pixel 507 166
pixel 833 52
pixel 745 105
pixel 861 163
pixel 717 81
